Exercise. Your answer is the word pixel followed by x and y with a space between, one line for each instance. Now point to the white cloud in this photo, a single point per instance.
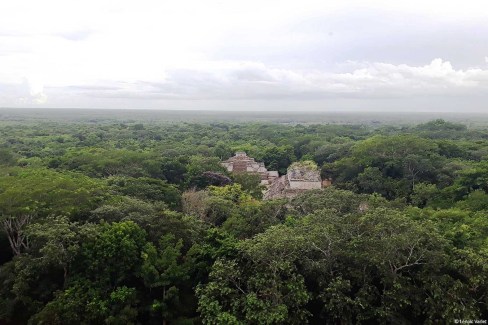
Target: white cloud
pixel 375 79
pixel 27 92
pixel 230 80
pixel 86 53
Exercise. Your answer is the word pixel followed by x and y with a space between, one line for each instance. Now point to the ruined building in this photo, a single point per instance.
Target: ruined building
pixel 300 177
pixel 242 163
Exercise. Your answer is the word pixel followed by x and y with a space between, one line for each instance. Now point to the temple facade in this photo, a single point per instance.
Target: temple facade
pixel 303 177
pixel 300 177
pixel 242 163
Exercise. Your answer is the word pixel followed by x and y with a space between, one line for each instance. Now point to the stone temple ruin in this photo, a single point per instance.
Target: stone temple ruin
pixel 300 177
pixel 242 163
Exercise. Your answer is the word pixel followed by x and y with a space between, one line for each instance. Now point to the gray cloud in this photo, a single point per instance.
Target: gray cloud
pixel 324 40
pixel 89 88
pixel 251 80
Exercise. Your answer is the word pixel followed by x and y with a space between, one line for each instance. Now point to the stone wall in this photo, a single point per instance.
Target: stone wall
pixel 301 177
pixel 305 185
pixel 241 163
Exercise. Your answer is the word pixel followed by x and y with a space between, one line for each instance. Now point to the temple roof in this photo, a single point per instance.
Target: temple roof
pixel 304 171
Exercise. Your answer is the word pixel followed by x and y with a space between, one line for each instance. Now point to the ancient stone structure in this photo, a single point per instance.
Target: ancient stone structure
pixel 304 176
pixel 300 177
pixel 242 163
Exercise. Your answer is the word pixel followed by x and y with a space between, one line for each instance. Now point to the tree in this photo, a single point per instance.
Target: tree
pixel 99 290
pixel 212 179
pixel 173 170
pixel 473 178
pixel 423 194
pixel 200 165
pixel 86 303
pixel 146 188
pixel 329 198
pixel 37 193
pixel 415 166
pixel 475 201
pixel 7 158
pixel 14 227
pixel 114 256
pixel 279 158
pixel 97 162
pixel 250 183
pixel 261 286
pixel 222 150
pixel 31 279
pixel 253 218
pixel 398 157
pixel 162 270
pixel 48 192
pixel 371 180
pixel 57 241
pixel 233 193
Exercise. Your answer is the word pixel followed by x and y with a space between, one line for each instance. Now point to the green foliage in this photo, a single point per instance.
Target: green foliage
pixel 473 178
pixel 254 217
pixel 136 222
pixel 162 271
pixel 250 183
pixel 28 191
pixel 424 194
pixel 122 208
pixel 114 255
pixel 236 297
pixel 441 124
pixel 57 241
pixel 98 292
pixel 173 170
pixel 304 164
pixel 330 198
pixel 197 167
pixel 263 287
pixel 86 303
pixel 146 188
pixel 7 158
pixel 233 193
pixel 279 158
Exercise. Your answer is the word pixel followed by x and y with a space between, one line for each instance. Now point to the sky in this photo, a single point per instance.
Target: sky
pixel 245 55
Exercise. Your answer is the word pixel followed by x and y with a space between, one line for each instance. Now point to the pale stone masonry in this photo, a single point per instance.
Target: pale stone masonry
pixel 242 163
pixel 301 176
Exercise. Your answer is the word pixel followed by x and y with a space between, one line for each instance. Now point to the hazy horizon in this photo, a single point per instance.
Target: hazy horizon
pixel 254 110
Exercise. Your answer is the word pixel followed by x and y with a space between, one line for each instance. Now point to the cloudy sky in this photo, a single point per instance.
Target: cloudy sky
pixel 254 54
